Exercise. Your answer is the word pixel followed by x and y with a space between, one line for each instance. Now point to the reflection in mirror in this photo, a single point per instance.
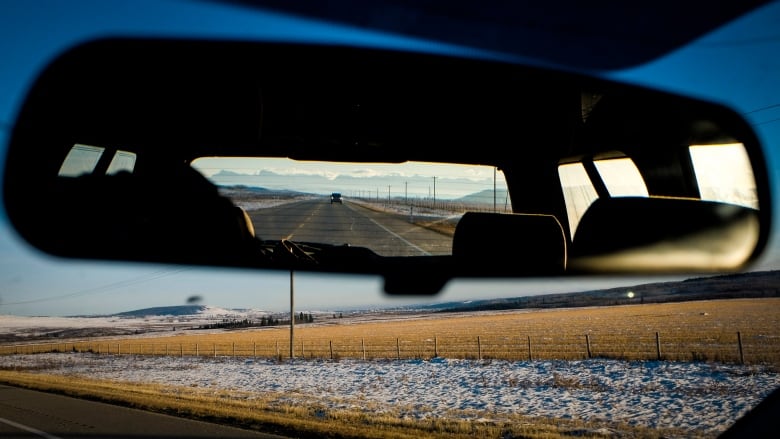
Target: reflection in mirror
pixel 578 192
pixel 81 159
pixel 723 173
pixel 403 209
pixel 621 177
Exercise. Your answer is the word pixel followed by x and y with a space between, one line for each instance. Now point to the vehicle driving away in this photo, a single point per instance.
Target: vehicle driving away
pixel 487 159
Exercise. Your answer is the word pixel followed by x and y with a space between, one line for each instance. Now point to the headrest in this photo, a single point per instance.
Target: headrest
pixel 661 234
pixel 180 219
pixel 525 244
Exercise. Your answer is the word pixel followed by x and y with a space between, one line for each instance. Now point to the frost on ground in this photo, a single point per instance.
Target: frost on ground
pixel 701 397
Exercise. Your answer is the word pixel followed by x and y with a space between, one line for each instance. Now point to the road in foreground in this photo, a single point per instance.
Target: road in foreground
pixel 27 413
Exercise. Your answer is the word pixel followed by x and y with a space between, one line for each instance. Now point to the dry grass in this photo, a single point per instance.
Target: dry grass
pixel 686 331
pixel 704 330
pixel 269 412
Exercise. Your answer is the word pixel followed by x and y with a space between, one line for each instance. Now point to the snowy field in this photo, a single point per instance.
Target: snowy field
pixel 701 398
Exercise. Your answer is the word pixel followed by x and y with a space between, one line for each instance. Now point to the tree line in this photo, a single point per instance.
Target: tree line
pixel 264 321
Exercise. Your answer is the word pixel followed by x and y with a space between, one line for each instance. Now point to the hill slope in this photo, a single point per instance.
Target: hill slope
pixel 731 286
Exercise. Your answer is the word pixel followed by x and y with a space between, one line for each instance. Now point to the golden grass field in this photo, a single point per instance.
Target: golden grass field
pixel 702 330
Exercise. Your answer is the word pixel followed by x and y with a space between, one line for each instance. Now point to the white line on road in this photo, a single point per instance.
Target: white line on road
pixel 425 253
pixel 28 429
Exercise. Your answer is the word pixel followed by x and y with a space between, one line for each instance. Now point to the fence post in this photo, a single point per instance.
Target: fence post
pixel 587 344
pixel 197 350
pixel 363 346
pixel 658 346
pixel 215 350
pixel 277 349
pixel 330 342
pixel 118 349
pixel 234 349
pixel 303 351
pixel 397 349
pixel 530 358
pixel 435 347
pixel 254 349
pixel 739 343
pixel 479 348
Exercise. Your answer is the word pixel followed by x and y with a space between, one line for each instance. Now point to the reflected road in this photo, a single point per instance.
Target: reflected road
pixel 320 221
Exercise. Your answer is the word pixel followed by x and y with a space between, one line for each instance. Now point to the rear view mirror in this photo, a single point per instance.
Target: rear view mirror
pixel 235 154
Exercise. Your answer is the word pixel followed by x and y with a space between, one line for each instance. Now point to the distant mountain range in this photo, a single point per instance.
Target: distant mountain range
pixel 399 186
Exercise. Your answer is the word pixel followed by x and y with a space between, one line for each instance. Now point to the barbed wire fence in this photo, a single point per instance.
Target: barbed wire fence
pixel 737 348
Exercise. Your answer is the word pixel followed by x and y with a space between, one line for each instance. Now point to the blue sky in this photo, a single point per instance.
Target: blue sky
pixel 737 65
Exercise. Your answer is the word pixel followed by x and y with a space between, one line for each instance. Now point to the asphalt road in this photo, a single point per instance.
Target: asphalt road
pixel 31 414
pixel 323 222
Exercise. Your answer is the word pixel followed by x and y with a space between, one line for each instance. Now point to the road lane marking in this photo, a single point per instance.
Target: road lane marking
pixel 28 429
pixel 425 253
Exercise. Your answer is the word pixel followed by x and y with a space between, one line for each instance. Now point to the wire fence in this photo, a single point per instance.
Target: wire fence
pixel 724 348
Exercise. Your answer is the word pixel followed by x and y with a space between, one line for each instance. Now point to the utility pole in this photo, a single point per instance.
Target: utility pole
pixel 434 192
pixel 388 194
pixel 494 189
pixel 292 317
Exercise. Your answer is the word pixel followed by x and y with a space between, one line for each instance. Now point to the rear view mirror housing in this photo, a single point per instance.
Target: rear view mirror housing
pixel 167 103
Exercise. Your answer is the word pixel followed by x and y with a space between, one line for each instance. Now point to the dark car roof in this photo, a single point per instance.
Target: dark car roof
pixel 563 33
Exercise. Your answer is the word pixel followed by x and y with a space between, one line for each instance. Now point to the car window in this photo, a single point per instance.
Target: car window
pixel 621 177
pixel 122 161
pixel 723 173
pixel 83 159
pixel 578 192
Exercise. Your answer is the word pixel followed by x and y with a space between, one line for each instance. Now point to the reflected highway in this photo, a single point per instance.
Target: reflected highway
pixel 320 221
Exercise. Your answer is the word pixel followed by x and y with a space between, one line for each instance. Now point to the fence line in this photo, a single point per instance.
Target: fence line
pixel 727 348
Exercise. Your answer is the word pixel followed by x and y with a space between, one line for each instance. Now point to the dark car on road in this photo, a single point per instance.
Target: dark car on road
pixel 335 197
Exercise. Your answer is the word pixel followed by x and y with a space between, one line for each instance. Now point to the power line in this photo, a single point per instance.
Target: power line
pixel 766 122
pixel 99 289
pixel 768 107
